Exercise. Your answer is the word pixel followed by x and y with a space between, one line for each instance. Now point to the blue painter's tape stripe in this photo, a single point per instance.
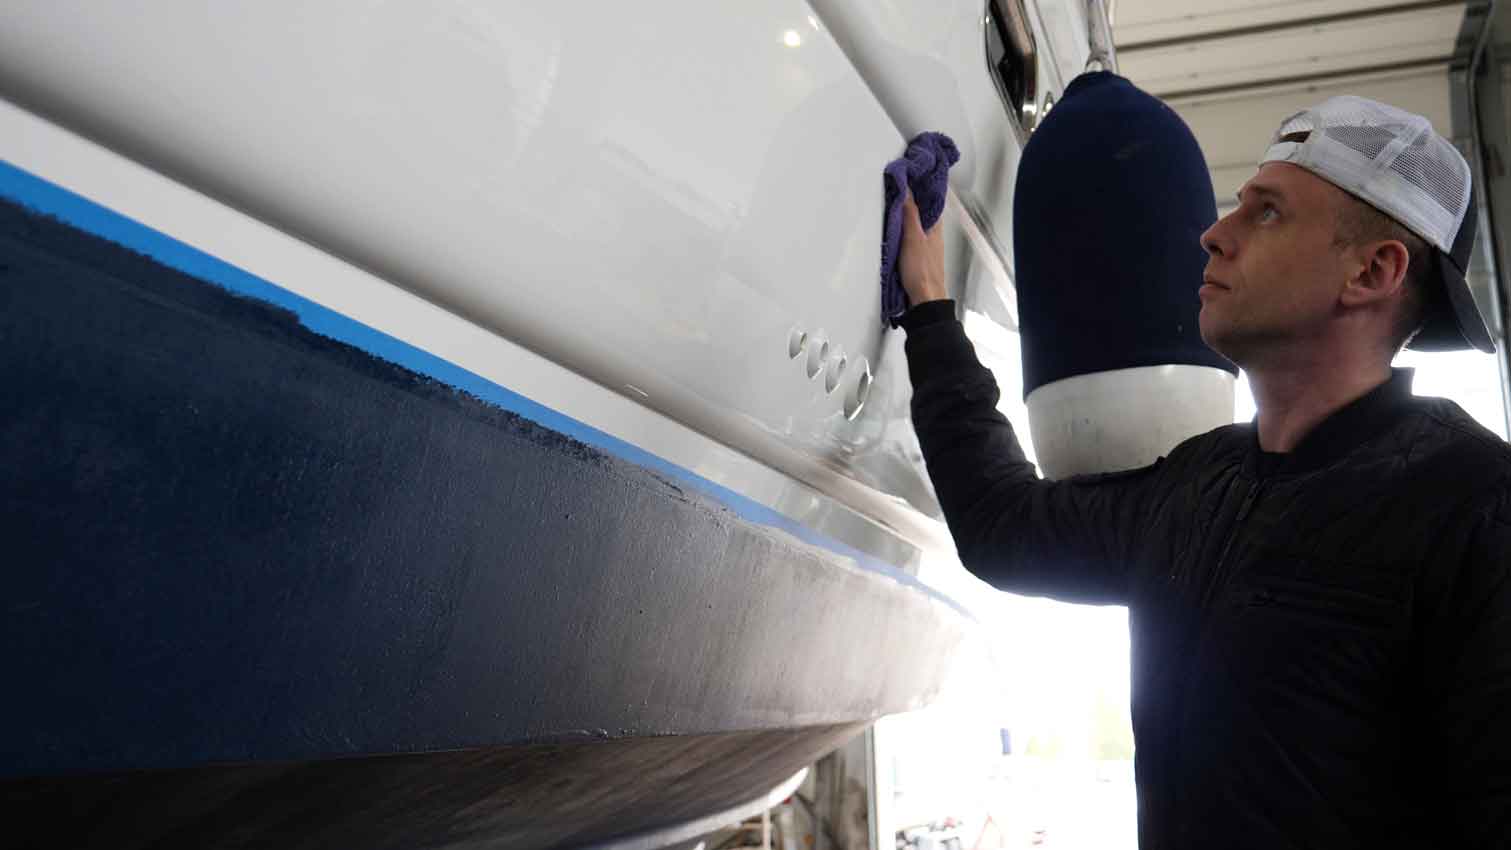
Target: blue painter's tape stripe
pixel 50 199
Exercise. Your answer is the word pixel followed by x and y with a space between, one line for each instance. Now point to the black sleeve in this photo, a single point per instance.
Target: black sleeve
pixel 1071 539
pixel 1466 659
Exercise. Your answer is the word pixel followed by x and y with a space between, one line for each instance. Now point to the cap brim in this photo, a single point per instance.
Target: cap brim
pixel 1453 322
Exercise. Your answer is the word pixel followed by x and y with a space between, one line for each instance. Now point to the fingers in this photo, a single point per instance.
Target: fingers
pixel 910 218
pixel 921 260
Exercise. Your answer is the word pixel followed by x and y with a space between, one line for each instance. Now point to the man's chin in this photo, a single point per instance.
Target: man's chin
pixel 1218 338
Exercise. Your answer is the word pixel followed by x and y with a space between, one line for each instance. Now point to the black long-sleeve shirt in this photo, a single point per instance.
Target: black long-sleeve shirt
pixel 1321 639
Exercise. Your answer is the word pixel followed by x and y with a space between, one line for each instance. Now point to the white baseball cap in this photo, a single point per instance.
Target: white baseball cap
pixel 1394 161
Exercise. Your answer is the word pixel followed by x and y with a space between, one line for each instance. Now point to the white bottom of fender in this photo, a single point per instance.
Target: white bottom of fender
pixel 1125 418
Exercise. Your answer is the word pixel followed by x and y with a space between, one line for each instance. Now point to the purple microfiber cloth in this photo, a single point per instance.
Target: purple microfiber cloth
pixel 925 169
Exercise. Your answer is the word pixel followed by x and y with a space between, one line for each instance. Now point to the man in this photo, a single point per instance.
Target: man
pixel 1319 602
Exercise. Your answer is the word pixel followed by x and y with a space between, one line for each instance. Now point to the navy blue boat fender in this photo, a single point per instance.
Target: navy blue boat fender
pixel 1113 195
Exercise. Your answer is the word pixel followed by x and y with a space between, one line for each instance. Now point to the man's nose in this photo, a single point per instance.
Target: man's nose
pixel 1216 240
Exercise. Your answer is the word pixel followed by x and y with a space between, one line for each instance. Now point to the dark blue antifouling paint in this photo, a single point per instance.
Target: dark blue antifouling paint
pixel 52 200
pixel 275 578
pixel 241 527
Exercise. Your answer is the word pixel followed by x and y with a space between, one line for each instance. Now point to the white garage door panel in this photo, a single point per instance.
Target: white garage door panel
pixel 1392 39
pixel 1154 20
pixel 1234 131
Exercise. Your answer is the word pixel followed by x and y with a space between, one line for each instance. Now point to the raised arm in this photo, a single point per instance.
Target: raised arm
pixel 1070 540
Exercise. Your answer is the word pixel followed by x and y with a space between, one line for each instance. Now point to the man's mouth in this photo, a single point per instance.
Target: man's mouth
pixel 1208 283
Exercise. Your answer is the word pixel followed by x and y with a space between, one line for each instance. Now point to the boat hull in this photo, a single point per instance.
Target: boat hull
pixel 572 793
pixel 248 531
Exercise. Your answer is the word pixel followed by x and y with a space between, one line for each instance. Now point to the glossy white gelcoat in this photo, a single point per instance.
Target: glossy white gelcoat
pixel 926 63
pixel 1125 418
pixel 652 196
pixel 1063 24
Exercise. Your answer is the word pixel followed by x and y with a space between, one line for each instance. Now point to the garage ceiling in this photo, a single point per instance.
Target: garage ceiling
pixel 1234 69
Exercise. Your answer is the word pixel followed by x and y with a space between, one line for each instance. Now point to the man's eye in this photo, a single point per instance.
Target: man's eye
pixel 1269 213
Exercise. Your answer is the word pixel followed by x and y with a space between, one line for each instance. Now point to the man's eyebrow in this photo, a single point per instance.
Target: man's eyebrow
pixel 1260 190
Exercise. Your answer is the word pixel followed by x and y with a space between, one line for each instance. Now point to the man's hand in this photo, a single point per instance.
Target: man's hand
pixel 921 262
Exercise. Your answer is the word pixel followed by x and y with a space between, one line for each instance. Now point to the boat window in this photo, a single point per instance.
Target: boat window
pixel 1013 60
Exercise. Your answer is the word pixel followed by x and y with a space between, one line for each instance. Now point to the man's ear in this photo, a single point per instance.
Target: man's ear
pixel 1381 273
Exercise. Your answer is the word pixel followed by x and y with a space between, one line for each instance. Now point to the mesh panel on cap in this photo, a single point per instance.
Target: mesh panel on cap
pixel 1356 111
pixel 1433 174
pixel 1366 140
pixel 1388 157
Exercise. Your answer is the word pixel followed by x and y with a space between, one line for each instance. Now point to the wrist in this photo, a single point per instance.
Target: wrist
pixel 926 313
pixel 925 291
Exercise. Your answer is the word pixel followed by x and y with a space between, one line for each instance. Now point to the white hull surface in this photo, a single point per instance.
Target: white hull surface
pixel 654 198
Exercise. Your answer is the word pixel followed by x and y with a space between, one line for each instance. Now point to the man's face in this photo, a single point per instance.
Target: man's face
pixel 1273 273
